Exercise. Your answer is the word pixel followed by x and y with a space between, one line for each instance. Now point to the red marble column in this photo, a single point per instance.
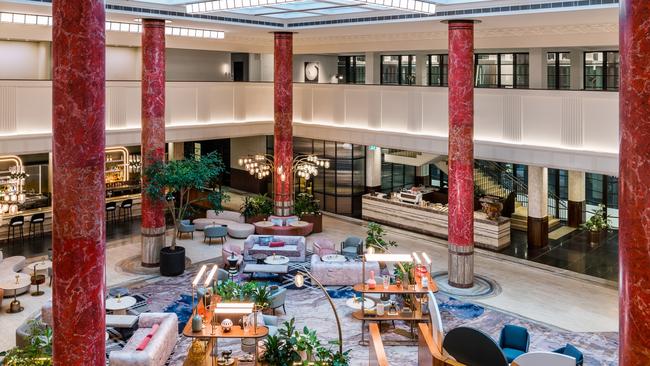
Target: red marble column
pixel 283 128
pixel 78 202
pixel 634 184
pixel 153 134
pixel 461 153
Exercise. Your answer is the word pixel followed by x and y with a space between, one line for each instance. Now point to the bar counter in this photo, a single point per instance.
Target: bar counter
pixel 494 235
pixel 47 225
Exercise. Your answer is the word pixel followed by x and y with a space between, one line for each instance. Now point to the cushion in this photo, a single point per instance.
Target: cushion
pixel 514 337
pixel 143 344
pixel 291 220
pixel 277 222
pixel 276 244
pixel 571 351
pixel 511 354
pixel 265 240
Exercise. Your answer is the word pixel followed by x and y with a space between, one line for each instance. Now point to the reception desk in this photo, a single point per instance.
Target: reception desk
pixel 432 221
pixel 47 211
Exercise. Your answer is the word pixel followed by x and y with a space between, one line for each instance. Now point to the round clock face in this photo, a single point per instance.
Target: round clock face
pixel 311 71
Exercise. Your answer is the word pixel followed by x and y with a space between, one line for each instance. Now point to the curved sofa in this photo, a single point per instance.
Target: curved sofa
pixel 10 267
pixel 237 228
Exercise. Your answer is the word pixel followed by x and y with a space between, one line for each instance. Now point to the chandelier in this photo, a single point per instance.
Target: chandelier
pixel 262 165
pixel 11 194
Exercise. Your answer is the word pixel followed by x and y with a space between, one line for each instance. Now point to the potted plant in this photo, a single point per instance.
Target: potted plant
pixel 375 238
pixel 171 182
pixel 37 351
pixel 308 208
pixel 257 208
pixel 597 225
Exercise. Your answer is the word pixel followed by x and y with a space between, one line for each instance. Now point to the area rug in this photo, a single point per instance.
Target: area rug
pixel 310 308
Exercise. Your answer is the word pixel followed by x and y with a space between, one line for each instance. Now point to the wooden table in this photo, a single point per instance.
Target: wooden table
pixel 211 336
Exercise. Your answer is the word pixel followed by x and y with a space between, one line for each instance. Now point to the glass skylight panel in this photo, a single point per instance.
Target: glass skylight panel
pixel 339 11
pixel 293 15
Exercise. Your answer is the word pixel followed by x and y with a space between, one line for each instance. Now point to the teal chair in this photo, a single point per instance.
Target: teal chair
pixel 219 232
pixel 352 246
pixel 185 228
pixel 278 297
pixel 514 341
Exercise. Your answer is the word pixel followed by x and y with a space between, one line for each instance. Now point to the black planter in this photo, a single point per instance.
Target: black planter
pixel 172 262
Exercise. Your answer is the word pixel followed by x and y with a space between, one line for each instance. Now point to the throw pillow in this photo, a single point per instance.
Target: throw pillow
pixel 276 244
pixel 277 222
pixel 145 341
pixel 265 240
pixel 291 220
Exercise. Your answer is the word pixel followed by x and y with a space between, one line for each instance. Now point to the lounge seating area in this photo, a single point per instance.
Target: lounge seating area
pixel 292 247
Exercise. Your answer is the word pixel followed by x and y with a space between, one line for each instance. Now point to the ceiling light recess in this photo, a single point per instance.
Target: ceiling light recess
pixel 225 5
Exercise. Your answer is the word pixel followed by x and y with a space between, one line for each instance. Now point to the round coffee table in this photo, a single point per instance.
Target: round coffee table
pixel 41 267
pixel 355 303
pixel 263 224
pixel 333 258
pixel 299 224
pixel 276 259
pixel 17 282
pixel 259 257
pixel 118 305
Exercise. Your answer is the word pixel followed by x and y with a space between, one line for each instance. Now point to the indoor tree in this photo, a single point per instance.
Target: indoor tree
pixel 173 182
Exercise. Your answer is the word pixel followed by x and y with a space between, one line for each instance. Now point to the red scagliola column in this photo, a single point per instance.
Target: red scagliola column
pixel 283 128
pixel 153 134
pixel 461 153
pixel 634 184
pixel 78 201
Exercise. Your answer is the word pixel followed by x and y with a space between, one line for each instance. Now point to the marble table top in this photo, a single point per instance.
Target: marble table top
pixel 276 259
pixel 121 303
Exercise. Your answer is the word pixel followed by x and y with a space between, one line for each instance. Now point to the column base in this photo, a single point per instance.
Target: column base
pixel 576 214
pixel 461 265
pixel 537 232
pixel 152 241
pixel 376 189
pixel 283 208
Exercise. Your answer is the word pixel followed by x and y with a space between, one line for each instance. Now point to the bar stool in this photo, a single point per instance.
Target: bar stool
pixel 111 207
pixel 36 219
pixel 16 222
pixel 126 209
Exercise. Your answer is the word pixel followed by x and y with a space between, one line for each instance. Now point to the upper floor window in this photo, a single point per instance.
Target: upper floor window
pixel 352 69
pixel 438 66
pixel 398 70
pixel 501 70
pixel 601 70
pixel 558 70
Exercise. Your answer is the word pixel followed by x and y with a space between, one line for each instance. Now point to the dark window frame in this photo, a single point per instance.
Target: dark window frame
pixel 557 70
pixel 605 75
pixel 412 61
pixel 499 73
pixel 444 71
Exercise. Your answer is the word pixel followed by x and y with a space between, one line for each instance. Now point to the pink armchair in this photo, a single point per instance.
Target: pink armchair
pixel 227 250
pixel 324 246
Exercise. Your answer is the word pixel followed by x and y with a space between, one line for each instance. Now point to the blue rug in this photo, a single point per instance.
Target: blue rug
pixel 460 309
pixel 182 307
pixel 342 293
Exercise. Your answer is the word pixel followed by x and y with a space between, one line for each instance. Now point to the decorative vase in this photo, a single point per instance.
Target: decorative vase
pixel 380 308
pixel 371 281
pixel 595 237
pixel 226 325
pixel 197 323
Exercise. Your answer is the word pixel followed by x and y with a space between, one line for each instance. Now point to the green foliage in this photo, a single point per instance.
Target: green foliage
pixel 597 222
pixel 171 182
pixel 260 294
pixel 260 204
pixel 37 352
pixel 375 238
pixel 280 349
pixel 305 203
pixel 404 271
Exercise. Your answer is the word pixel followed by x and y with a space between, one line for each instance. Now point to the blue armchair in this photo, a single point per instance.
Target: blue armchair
pixel 570 350
pixel 352 246
pixel 185 228
pixel 219 232
pixel 514 341
pixel 278 297
pixel 248 345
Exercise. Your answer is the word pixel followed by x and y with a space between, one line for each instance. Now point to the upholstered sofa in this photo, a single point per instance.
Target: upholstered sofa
pixel 237 228
pixel 159 347
pixel 279 225
pixel 10 267
pixel 294 247
pixel 341 273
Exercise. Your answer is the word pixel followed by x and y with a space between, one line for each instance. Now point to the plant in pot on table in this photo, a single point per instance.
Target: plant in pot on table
pixel 597 225
pixel 172 182
pixel 308 208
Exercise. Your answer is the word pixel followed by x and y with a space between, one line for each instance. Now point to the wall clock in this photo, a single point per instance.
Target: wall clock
pixel 312 69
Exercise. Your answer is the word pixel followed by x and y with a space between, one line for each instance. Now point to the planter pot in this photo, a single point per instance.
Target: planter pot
pixel 595 237
pixel 172 262
pixel 254 219
pixel 316 219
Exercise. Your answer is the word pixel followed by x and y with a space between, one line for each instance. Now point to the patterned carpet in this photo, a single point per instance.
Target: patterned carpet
pixel 309 307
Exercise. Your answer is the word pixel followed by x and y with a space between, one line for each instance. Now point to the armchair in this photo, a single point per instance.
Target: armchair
pixel 248 344
pixel 278 297
pixel 514 341
pixel 570 350
pixel 324 246
pixel 219 232
pixel 352 246
pixel 185 227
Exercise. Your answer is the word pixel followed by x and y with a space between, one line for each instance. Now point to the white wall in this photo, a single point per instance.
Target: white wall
pixel 123 63
pixel 25 60
pixel 266 67
pixel 197 65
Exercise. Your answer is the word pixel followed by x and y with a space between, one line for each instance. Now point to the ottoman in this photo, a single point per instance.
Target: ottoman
pixel 239 230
